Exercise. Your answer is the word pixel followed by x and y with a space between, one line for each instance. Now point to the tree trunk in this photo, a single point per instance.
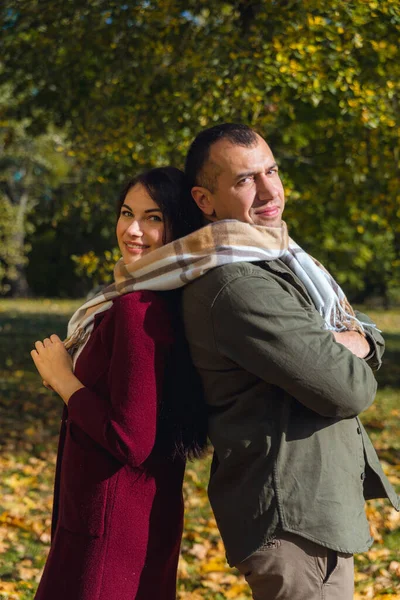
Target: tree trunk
pixel 19 287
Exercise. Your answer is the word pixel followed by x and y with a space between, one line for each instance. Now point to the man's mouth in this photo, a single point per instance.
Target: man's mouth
pixel 267 211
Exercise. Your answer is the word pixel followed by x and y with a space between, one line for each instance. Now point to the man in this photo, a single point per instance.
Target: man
pixel 292 463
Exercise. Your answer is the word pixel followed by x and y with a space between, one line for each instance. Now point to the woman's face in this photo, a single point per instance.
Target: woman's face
pixel 140 226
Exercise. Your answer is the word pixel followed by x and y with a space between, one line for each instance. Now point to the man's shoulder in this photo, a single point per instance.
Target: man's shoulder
pixel 207 287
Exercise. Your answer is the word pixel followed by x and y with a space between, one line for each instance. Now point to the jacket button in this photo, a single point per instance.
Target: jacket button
pixel 362 476
pixel 359 430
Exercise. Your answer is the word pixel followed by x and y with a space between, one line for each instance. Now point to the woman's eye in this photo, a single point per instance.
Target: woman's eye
pixel 155 218
pixel 126 213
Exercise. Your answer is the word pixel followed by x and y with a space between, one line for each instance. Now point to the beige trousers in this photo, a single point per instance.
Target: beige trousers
pixel 293 568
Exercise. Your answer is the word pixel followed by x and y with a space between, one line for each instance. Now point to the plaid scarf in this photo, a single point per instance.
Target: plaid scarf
pixel 223 242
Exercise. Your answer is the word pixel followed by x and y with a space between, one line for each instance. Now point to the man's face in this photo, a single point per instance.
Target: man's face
pixel 248 187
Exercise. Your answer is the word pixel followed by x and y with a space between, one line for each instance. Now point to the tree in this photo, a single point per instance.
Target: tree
pixel 133 82
pixel 30 169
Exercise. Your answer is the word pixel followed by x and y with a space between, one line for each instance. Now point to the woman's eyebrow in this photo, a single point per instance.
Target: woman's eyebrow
pixel 149 210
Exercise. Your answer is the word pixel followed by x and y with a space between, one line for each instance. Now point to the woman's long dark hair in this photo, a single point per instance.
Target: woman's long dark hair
pixel 182 422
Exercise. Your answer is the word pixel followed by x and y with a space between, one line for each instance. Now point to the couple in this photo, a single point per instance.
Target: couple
pixel 285 365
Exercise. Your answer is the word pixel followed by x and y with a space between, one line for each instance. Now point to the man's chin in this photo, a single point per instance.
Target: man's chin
pixel 268 222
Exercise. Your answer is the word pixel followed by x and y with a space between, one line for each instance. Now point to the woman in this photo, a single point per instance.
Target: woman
pixel 118 510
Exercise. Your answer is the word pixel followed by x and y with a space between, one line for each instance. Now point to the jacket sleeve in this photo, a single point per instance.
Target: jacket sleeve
pixel 125 422
pixel 375 340
pixel 269 333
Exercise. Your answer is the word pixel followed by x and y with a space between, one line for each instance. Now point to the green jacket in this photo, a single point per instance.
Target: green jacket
pixel 283 395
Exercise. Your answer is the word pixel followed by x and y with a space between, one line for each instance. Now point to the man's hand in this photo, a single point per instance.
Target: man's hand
pixel 55 367
pixel 353 341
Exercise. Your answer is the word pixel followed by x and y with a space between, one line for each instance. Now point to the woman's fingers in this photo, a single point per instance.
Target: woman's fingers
pixel 47 342
pixel 39 346
pixel 35 358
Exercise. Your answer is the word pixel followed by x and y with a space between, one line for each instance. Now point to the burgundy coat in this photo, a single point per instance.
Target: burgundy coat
pixel 118 508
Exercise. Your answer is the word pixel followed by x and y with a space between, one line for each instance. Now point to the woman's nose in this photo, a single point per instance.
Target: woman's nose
pixel 135 229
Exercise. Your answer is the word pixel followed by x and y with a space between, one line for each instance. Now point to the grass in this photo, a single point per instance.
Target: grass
pixel 29 423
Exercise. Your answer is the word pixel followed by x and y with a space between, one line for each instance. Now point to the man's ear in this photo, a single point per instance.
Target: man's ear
pixel 203 198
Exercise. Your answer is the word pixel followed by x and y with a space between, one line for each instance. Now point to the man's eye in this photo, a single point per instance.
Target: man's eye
pixel 246 180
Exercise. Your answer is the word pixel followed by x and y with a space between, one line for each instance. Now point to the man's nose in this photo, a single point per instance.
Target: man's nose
pixel 266 188
pixel 135 228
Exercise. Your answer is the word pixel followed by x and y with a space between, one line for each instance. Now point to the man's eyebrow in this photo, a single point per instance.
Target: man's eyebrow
pixel 244 174
pixel 247 173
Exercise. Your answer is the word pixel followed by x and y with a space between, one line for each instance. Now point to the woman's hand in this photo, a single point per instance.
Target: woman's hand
pixel 55 367
pixel 52 360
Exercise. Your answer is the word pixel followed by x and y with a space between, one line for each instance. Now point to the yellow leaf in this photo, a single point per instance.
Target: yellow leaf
pixel 235 590
pixel 216 564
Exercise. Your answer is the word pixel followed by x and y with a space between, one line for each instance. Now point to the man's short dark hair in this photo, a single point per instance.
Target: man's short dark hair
pixel 199 152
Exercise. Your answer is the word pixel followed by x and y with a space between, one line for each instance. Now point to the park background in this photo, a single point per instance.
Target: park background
pixel 93 92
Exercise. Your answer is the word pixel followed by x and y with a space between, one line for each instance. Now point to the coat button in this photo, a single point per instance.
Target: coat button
pixel 359 430
pixel 362 476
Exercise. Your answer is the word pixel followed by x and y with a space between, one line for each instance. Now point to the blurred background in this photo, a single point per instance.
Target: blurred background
pixel 92 93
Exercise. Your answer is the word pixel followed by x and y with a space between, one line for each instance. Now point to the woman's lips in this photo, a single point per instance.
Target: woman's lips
pixel 135 248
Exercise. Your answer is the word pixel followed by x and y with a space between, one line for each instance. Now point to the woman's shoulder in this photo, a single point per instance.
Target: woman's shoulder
pixel 143 309
pixel 141 301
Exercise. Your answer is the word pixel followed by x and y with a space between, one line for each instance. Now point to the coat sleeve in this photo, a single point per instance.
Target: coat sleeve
pixel 125 422
pixel 375 340
pixel 267 332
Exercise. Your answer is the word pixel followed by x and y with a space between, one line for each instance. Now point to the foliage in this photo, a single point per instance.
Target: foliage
pixel 99 268
pixel 133 82
pixel 76 229
pixel 11 255
pixel 29 427
pixel 51 207
pixel 30 171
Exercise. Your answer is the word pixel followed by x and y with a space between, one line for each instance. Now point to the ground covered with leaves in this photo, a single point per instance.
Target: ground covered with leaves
pixel 29 422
